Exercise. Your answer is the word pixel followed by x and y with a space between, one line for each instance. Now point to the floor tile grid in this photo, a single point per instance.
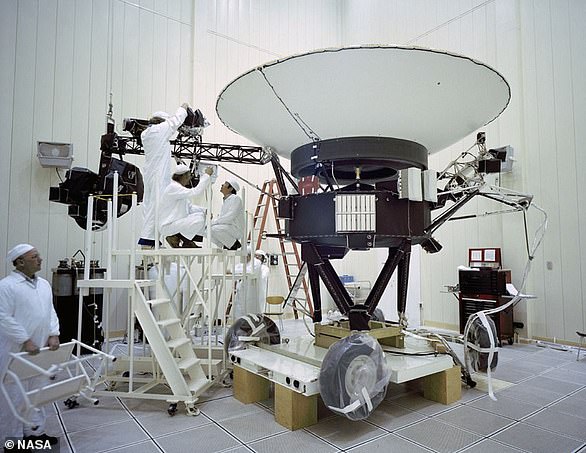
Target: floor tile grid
pixel 269 407
pixel 131 415
pixel 516 421
pixel 136 420
pixel 491 437
pixel 560 364
pixel 154 439
pixel 524 419
pixel 211 420
pixel 394 432
pixel 434 416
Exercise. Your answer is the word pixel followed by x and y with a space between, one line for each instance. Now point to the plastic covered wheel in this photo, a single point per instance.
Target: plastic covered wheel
pixel 251 328
pixel 479 338
pixel 354 376
pixel 378 315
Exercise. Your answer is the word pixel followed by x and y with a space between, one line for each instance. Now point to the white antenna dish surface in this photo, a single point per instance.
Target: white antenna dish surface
pixel 430 97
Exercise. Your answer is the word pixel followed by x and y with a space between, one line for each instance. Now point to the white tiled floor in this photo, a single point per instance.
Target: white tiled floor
pixel 543 411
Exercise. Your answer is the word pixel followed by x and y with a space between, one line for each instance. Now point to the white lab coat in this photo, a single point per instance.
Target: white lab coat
pixel 246 298
pixel 228 227
pixel 178 214
pixel 26 312
pixel 157 166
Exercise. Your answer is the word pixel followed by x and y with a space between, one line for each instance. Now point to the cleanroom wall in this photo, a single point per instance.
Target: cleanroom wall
pixel 540 48
pixel 59 62
pixel 232 37
pixel 61 59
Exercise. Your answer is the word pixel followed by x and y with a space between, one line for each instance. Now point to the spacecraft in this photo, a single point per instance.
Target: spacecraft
pixel 357 125
pixel 363 120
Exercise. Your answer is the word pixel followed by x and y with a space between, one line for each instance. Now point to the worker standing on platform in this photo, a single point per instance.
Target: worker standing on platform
pixel 180 220
pixel 157 168
pixel 228 228
pixel 28 322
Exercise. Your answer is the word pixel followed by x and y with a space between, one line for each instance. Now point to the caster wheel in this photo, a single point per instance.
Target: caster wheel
pixel 126 374
pixel 172 409
pixel 192 410
pixel 227 382
pixel 510 341
pixel 70 403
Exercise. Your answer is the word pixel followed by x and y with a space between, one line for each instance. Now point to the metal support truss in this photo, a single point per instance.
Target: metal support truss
pixel 358 314
pixel 188 147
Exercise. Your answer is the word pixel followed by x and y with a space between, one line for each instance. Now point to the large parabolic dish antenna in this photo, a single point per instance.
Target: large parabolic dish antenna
pixel 429 97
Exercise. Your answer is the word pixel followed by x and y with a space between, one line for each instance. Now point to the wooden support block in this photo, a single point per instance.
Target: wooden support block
pixel 249 387
pixel 294 410
pixel 444 387
pixel 385 333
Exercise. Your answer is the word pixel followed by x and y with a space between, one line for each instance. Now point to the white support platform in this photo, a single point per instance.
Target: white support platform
pixel 168 290
pixel 299 361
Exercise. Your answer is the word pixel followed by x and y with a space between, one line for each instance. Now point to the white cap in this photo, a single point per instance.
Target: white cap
pixel 17 251
pixel 261 252
pixel 180 169
pixel 233 183
pixel 160 114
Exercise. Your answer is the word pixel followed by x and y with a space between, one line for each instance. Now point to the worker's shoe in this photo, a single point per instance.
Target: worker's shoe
pixel 187 244
pixel 235 246
pixel 174 241
pixel 42 437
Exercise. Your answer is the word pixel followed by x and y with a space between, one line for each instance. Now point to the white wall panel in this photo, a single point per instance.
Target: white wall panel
pixel 565 155
pixel 42 120
pixel 577 15
pixel 233 36
pixel 59 61
pixel 539 47
pixel 545 118
pixel 145 62
pixel 8 27
pixel 536 308
pixel 21 162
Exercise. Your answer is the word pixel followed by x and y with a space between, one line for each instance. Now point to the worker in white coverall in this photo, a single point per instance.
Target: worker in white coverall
pixel 246 297
pixel 263 282
pixel 180 220
pixel 28 322
pixel 228 227
pixel 157 165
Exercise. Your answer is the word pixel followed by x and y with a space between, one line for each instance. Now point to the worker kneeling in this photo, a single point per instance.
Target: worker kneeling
pixel 181 221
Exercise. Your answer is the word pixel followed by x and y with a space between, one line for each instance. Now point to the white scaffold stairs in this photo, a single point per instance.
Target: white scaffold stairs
pixel 171 347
